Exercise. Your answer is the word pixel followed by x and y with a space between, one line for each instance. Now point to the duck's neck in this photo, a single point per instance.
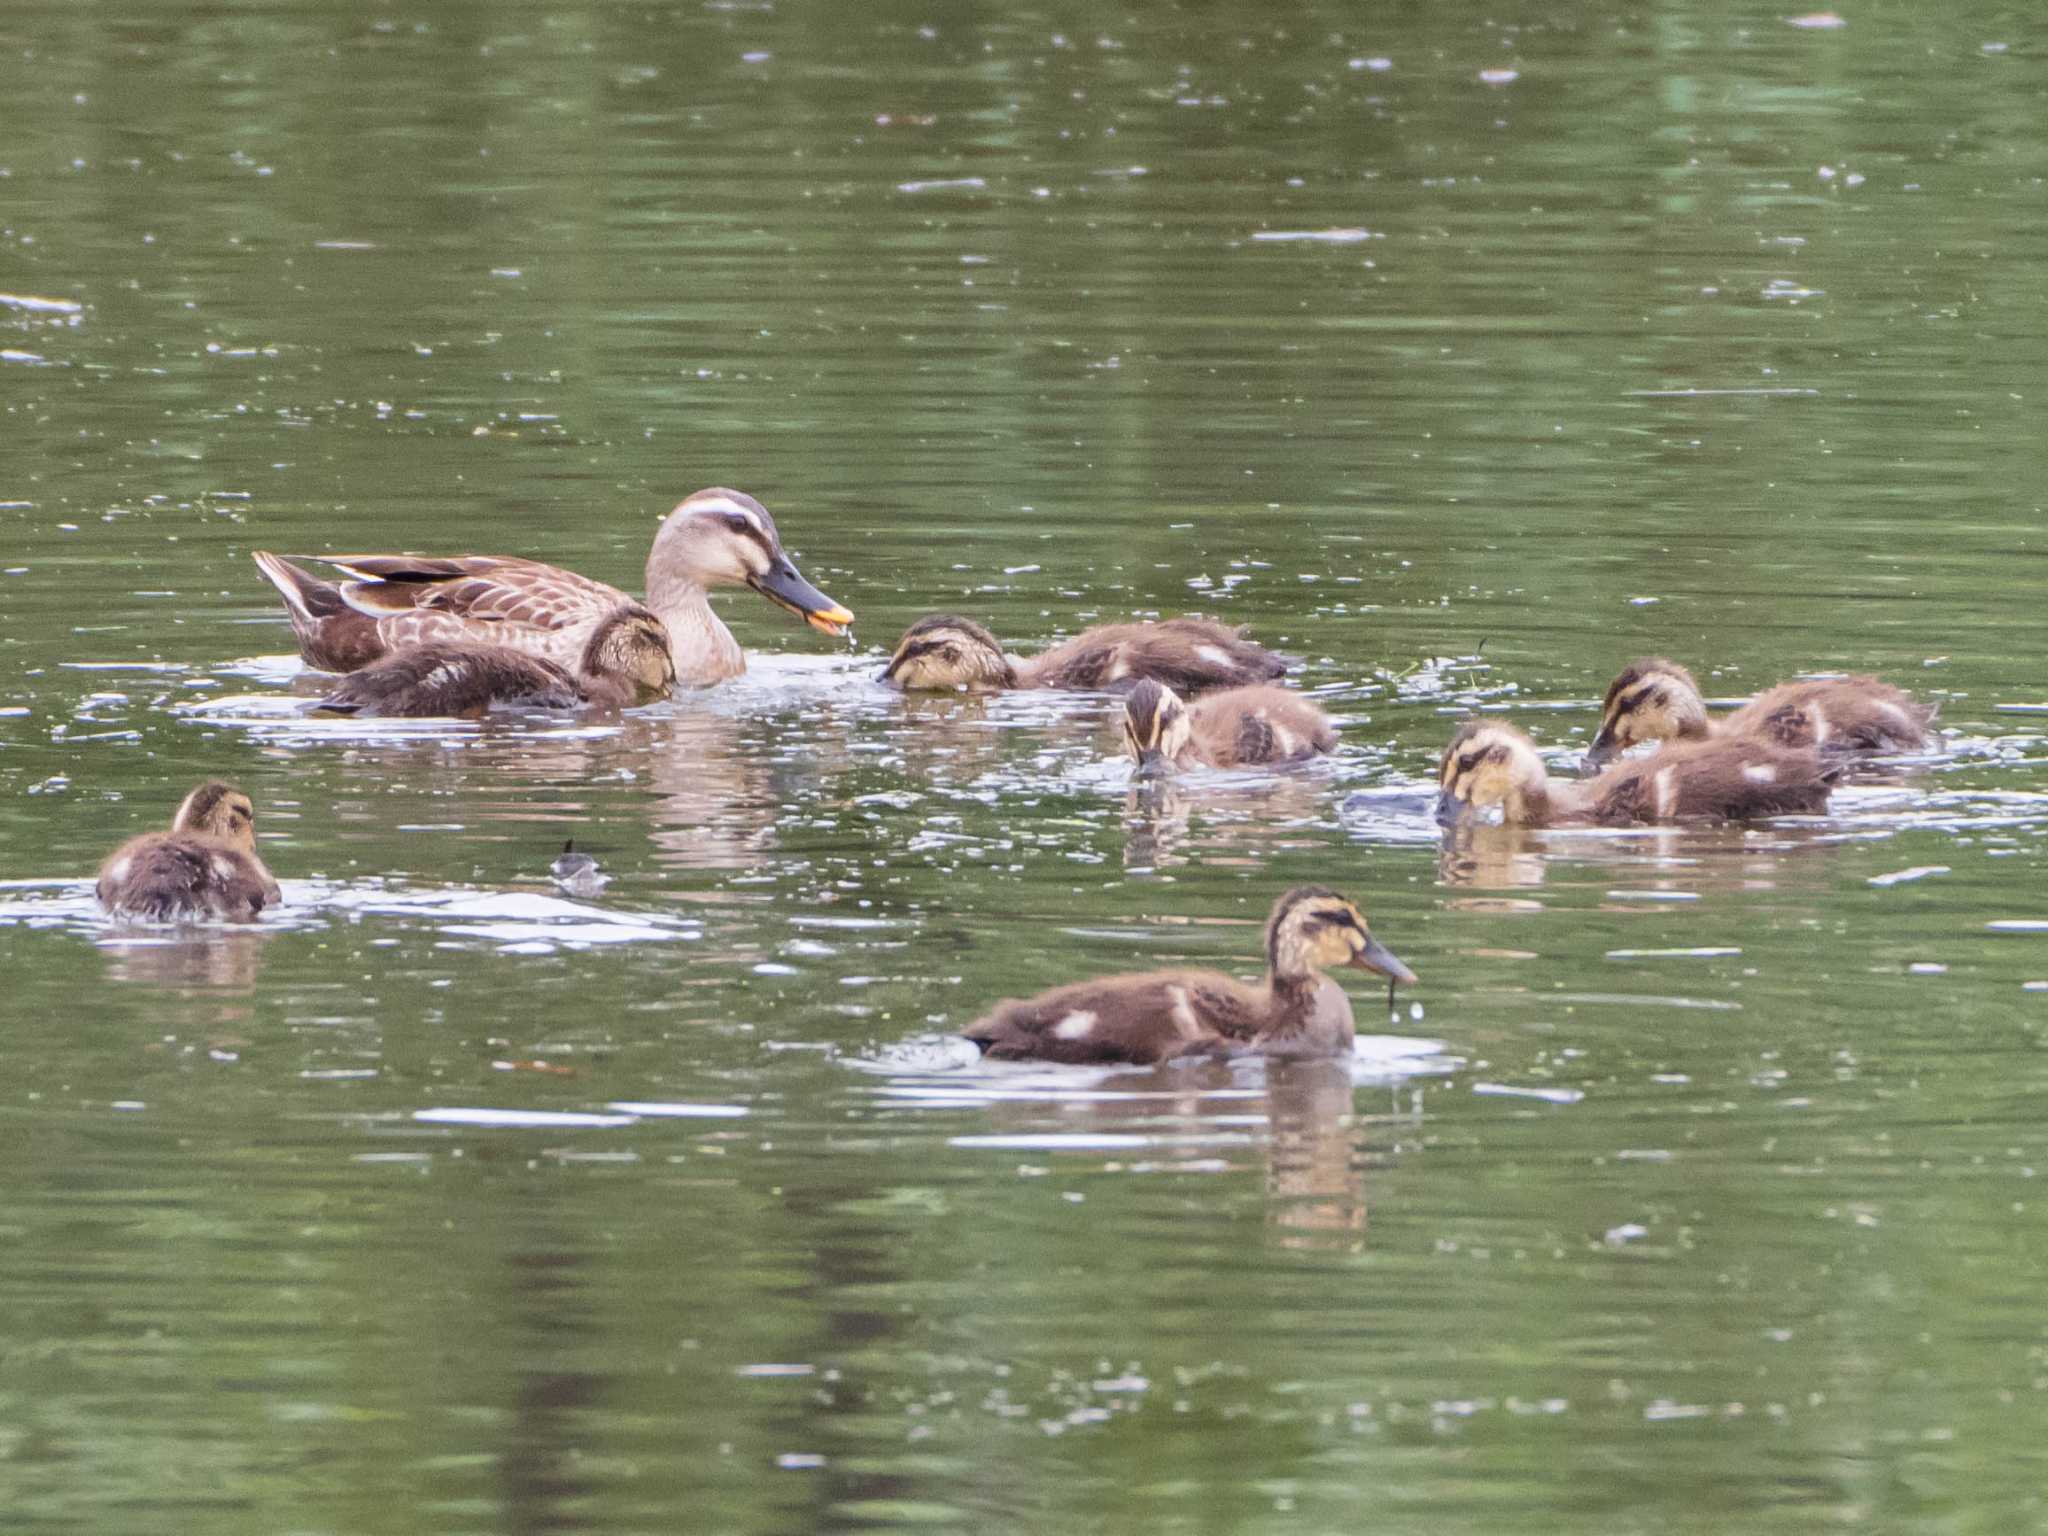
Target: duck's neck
pixel 1531 805
pixel 704 649
pixel 1306 1015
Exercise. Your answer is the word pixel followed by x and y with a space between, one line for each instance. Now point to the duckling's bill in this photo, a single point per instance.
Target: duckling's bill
pixel 1375 956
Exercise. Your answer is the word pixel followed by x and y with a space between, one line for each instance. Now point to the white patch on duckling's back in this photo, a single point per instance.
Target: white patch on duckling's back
pixel 223 867
pixel 1183 1013
pixel 1760 773
pixel 1075 1026
pixel 1818 718
pixel 1214 654
pixel 119 872
pixel 1667 792
pixel 443 674
pixel 1901 714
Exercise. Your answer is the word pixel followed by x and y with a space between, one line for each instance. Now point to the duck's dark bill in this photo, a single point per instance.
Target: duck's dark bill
pixel 1450 810
pixel 783 584
pixel 1377 957
pixel 1599 755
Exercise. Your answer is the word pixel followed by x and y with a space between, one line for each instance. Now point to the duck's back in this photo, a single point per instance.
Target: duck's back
pixel 1190 656
pixel 1727 779
pixel 1244 727
pixel 162 877
pixel 1840 714
pixel 452 679
pixel 1150 1017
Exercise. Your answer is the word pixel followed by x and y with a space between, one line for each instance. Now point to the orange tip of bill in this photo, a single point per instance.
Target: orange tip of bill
pixel 832 621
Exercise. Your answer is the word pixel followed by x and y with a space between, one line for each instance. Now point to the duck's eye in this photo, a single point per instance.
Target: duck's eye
pixel 952 653
pixel 1468 762
pixel 736 522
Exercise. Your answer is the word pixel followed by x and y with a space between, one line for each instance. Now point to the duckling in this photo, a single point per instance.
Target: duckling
pixel 943 651
pixel 1154 1016
pixel 1236 728
pixel 626 661
pixel 717 537
pixel 1655 699
pixel 204 867
pixel 1491 763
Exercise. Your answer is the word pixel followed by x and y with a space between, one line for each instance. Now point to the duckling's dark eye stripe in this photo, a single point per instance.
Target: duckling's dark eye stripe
pixel 918 648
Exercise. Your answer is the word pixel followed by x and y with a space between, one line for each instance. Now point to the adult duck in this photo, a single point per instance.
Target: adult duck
pixel 716 538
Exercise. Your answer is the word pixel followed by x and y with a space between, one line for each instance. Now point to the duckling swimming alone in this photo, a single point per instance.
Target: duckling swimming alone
pixel 1155 1016
pixel 626 661
pixel 1237 728
pixel 715 538
pixel 1655 699
pixel 1489 762
pixel 204 867
pixel 943 651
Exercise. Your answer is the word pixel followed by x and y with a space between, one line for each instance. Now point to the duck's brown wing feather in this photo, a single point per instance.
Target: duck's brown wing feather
pixel 438 678
pixel 1842 714
pixel 487 589
pixel 1728 779
pixel 1142 1019
pixel 1190 656
pixel 163 877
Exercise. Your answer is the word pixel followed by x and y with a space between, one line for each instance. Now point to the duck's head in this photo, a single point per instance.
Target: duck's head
pixel 1488 763
pixel 1653 700
pixel 1315 929
pixel 942 651
pixel 631 645
pixel 725 538
pixel 1155 726
pixel 218 809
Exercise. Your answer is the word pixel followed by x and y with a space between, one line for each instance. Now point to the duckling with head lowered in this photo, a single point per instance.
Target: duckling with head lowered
pixel 1490 763
pixel 1155 1016
pixel 943 652
pixel 717 537
pixel 1655 699
pixel 626 662
pixel 204 867
pixel 1237 728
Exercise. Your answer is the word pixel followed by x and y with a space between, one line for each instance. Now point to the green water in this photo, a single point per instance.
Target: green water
pixel 1701 1195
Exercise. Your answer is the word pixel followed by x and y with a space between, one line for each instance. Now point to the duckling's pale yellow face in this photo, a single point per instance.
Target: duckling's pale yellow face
pixel 219 810
pixel 942 654
pixel 1485 765
pixel 1156 728
pixel 1650 702
pixel 1319 930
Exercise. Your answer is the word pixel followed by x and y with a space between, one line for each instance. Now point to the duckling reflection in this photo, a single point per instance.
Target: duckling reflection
pixel 1168 821
pixel 1315 1155
pixel 1294 1122
pixel 1491 858
pixel 198 961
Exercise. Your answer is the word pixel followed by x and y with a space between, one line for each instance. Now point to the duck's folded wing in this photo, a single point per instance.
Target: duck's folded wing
pixel 484 588
pixel 1141 1019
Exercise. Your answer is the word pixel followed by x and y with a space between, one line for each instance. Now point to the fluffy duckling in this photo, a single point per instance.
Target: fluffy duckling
pixel 716 538
pixel 943 651
pixel 204 867
pixel 1155 1016
pixel 1491 763
pixel 626 661
pixel 1237 728
pixel 1655 699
